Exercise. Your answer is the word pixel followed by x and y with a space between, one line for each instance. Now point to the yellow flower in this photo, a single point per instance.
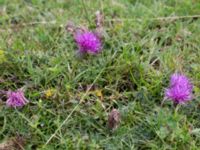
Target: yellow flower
pixel 99 93
pixel 49 93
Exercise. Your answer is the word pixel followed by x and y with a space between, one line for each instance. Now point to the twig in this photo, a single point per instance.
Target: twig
pixel 108 20
pixel 38 22
pixel 29 24
pixel 158 18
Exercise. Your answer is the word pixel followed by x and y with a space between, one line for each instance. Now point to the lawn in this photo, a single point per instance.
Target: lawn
pixel 70 96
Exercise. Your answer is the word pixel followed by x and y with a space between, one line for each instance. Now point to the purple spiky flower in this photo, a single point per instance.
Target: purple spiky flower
pixel 180 89
pixel 88 42
pixel 16 99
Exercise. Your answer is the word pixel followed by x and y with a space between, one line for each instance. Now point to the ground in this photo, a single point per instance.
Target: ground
pixel 145 41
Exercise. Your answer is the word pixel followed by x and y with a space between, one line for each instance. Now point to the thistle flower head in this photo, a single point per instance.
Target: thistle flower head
pixel 88 42
pixel 16 99
pixel 180 89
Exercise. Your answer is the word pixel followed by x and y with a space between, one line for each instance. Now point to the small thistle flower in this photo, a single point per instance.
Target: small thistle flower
pixel 88 42
pixel 16 99
pixel 180 89
pixel 113 119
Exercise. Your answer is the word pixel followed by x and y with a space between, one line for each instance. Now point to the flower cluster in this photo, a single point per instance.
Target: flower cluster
pixel 180 89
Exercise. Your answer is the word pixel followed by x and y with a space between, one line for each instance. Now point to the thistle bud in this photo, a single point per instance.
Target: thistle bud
pixel 113 119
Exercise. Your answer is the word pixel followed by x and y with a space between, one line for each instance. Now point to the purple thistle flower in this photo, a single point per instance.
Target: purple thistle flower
pixel 16 98
pixel 180 89
pixel 88 42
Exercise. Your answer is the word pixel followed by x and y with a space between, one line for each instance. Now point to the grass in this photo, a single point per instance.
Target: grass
pixel 145 41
